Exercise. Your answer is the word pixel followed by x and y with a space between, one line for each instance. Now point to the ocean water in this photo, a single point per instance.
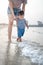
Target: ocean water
pixel 33 46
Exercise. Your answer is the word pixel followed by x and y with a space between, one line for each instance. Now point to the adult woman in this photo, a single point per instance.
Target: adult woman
pixel 13 9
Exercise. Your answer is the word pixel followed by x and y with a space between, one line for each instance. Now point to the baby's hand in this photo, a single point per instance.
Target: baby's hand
pixel 27 26
pixel 14 18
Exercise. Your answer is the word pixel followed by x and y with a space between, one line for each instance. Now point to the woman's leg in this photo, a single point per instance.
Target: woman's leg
pixel 11 19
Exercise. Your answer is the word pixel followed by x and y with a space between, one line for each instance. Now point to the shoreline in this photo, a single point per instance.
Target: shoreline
pixel 3 24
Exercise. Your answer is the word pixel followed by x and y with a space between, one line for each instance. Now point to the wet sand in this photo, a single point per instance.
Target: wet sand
pixel 18 53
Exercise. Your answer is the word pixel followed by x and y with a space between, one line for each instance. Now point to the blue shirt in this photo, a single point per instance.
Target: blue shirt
pixel 21 23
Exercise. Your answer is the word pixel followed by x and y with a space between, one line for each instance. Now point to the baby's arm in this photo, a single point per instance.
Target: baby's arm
pixel 26 24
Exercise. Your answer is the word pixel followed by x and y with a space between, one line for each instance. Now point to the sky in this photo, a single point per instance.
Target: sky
pixel 33 12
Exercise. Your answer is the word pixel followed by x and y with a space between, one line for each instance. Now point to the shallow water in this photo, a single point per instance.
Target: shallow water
pixel 33 48
pixel 33 51
pixel 28 52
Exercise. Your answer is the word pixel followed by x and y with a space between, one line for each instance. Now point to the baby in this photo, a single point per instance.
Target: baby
pixel 21 23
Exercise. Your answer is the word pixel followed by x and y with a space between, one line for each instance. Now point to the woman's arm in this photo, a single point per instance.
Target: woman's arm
pixel 24 4
pixel 23 7
pixel 11 7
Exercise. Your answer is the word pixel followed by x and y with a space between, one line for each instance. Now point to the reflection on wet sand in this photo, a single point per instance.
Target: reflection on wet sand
pixel 15 58
pixel 12 55
pixel 28 52
pixel 34 51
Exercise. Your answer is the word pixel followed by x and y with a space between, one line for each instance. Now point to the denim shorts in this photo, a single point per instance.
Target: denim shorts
pixel 16 11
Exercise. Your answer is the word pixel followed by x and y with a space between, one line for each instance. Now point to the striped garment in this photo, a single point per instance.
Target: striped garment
pixel 17 3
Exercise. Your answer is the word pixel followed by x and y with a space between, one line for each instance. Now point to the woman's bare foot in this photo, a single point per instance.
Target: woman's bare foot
pixel 9 41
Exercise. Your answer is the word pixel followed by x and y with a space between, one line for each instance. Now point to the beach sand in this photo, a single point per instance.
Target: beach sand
pixel 17 53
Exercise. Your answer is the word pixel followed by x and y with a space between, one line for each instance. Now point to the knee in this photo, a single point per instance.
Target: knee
pixel 11 19
pixel 11 23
